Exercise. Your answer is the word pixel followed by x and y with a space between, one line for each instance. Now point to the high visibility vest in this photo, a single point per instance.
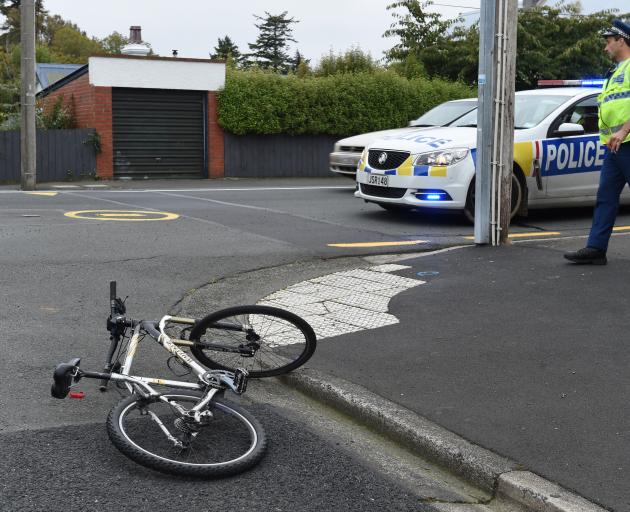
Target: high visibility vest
pixel 614 102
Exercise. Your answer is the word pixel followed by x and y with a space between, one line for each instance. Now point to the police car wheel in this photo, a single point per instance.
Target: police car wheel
pixel 517 199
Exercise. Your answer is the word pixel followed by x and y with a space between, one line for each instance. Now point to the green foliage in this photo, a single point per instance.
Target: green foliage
pixel 94 139
pixel 270 49
pixel 226 48
pixel 10 9
pixel 411 67
pixel 259 102
pixel 559 42
pixel 553 42
pixel 114 43
pixel 73 46
pixel 57 117
pixel 353 60
pixel 418 30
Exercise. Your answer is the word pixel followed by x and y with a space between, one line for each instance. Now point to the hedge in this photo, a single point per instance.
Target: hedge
pixel 257 102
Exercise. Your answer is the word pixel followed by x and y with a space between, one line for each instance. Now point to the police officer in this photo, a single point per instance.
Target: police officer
pixel 614 130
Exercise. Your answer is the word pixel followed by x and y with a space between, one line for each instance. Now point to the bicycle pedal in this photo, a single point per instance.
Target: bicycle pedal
pixel 76 394
pixel 240 380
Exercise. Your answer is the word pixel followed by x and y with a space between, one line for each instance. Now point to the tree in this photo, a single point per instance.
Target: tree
pixel 270 49
pixel 226 48
pixel 72 46
pixel 51 25
pixel 353 60
pixel 418 29
pixel 114 43
pixel 561 42
pixel 10 9
pixel 556 41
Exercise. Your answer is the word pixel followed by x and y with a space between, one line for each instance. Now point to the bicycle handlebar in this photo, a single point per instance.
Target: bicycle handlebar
pixel 150 328
pixel 112 298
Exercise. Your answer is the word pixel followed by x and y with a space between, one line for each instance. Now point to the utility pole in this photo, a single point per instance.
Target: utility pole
pixel 27 96
pixel 495 122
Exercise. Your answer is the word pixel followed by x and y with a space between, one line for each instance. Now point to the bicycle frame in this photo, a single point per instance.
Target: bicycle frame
pixel 216 378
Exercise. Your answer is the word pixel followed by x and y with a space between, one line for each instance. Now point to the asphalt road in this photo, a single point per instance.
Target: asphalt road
pixel 54 273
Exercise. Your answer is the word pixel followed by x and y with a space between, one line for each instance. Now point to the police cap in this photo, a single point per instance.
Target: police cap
pixel 619 28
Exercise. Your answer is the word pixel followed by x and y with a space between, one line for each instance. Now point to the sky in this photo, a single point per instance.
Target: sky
pixel 193 26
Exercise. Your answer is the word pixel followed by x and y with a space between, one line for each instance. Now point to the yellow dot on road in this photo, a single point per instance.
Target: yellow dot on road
pixel 379 244
pixel 121 215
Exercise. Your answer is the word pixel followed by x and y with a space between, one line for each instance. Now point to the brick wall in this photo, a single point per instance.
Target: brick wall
pixel 216 148
pixel 102 108
pixel 92 108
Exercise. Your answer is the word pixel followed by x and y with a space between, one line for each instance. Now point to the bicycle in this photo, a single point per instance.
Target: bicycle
pixel 193 430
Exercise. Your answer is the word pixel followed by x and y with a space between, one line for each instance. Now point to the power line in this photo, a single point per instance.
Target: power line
pixel 459 6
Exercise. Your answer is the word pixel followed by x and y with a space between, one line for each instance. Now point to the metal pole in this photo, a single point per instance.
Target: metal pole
pixel 486 81
pixel 27 96
pixel 495 122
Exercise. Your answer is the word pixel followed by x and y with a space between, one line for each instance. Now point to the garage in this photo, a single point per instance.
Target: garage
pixel 154 117
pixel 159 133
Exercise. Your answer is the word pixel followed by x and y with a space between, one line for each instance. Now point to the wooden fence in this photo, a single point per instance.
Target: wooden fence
pixel 265 156
pixel 62 155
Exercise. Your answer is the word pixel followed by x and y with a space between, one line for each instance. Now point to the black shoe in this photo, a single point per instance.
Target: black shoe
pixel 587 256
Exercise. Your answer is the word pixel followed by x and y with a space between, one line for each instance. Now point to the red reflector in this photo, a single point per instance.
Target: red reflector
pixel 77 394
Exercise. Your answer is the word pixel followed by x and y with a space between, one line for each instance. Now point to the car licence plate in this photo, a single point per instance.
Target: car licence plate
pixel 381 181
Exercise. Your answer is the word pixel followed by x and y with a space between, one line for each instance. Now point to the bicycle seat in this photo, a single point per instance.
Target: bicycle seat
pixel 62 377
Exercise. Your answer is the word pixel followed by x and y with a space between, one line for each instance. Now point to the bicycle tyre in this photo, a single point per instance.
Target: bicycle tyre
pixel 229 422
pixel 286 341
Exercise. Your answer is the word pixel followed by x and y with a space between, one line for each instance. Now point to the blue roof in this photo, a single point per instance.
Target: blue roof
pixel 48 74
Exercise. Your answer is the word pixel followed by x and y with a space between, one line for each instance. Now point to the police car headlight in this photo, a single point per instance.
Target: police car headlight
pixel 443 157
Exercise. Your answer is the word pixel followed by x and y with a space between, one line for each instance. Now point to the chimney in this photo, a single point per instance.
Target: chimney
pixel 135 34
pixel 135 46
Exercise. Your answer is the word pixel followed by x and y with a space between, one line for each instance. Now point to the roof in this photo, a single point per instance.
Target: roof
pixel 48 74
pixel 78 71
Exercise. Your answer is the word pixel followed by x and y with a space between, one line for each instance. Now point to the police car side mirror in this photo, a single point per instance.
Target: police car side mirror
pixel 567 129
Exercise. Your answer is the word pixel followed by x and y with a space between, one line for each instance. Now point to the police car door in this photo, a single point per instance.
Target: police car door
pixel 570 162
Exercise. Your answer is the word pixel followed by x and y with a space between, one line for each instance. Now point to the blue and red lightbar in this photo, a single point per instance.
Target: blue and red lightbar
pixel 590 82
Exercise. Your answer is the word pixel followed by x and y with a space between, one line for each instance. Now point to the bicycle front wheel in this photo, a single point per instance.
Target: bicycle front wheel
pixel 264 340
pixel 153 434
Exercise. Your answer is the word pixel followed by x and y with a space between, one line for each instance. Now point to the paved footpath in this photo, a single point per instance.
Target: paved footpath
pixel 514 350
pixel 511 349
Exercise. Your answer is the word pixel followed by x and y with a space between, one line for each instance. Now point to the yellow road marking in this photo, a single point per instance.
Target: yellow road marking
pixel 540 233
pixel 526 235
pixel 47 194
pixel 121 215
pixel 379 244
pixel 621 228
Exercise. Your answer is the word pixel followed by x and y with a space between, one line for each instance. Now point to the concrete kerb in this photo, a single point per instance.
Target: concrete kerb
pixel 513 488
pixel 474 464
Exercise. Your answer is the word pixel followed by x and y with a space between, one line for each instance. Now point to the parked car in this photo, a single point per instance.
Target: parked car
pixel 557 158
pixel 346 152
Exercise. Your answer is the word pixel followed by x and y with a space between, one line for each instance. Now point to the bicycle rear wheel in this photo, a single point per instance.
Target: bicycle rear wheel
pixel 229 442
pixel 264 340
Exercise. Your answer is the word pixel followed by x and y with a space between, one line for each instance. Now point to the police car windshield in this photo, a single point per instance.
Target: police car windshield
pixel 444 114
pixel 529 110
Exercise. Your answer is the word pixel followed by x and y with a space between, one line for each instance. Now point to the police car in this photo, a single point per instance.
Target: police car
pixel 557 156
pixel 347 152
